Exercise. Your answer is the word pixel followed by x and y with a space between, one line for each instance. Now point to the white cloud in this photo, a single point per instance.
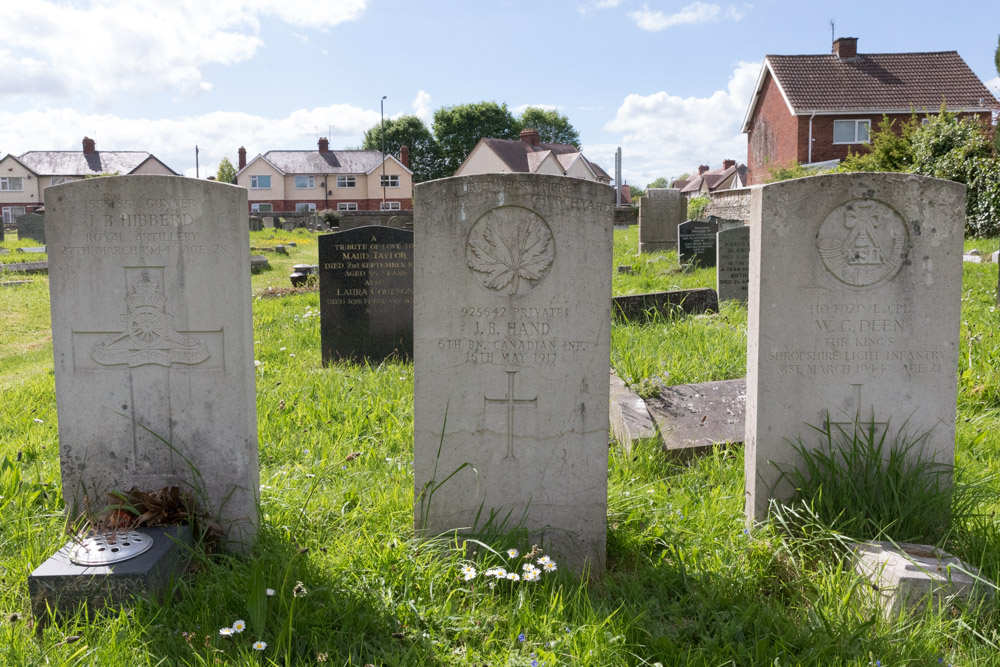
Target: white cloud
pixel 108 48
pixel 422 107
pixel 594 5
pixel 696 12
pixel 218 134
pixel 666 135
pixel 544 107
pixel 994 85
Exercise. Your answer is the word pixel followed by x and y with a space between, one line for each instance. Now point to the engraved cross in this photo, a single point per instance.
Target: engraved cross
pixel 510 403
pixel 845 425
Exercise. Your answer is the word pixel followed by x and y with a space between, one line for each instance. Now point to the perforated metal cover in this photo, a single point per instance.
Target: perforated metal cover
pixel 109 548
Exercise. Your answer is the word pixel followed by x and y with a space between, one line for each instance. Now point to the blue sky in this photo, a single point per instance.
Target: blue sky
pixel 667 81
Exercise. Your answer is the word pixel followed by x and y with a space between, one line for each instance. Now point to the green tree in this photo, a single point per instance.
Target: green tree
pixel 697 206
pixel 426 161
pixel 460 127
pixel 226 172
pixel 890 150
pixel 661 182
pixel 552 126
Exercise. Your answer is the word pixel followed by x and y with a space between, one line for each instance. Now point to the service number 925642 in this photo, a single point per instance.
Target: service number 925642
pixel 483 312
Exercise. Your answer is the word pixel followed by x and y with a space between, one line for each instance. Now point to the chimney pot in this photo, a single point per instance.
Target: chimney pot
pixel 530 137
pixel 242 152
pixel 845 47
pixel 88 146
pixel 404 156
pixel 702 169
pixel 726 164
pixel 324 145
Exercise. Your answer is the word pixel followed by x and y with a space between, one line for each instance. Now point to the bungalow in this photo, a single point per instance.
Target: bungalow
pixel 815 108
pixel 324 179
pixel 528 155
pixel 707 180
pixel 24 179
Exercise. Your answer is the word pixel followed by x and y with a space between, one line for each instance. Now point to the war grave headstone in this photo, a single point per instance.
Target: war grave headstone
pixel 661 210
pixel 733 264
pixel 512 321
pixel 853 316
pixel 366 294
pixel 31 226
pixel 153 352
pixel 696 243
pixel 256 224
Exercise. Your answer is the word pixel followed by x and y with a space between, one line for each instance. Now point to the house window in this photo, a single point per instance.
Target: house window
pixel 11 183
pixel 851 131
pixel 389 181
pixel 347 182
pixel 12 213
pixel 59 180
pixel 260 182
pixel 347 206
pixel 261 208
pixel 390 206
pixel 301 208
pixel 305 182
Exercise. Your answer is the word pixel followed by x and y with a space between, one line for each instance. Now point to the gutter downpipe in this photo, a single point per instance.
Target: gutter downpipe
pixel 811 136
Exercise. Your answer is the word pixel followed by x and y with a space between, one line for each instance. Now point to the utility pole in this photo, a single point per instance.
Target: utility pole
pixel 196 161
pixel 381 105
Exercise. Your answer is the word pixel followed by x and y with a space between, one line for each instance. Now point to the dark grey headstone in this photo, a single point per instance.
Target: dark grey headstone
pixel 733 264
pixel 256 224
pixel 639 307
pixel 27 267
pixel 64 586
pixel 366 294
pixel 31 226
pixel 258 263
pixel 692 418
pixel 696 242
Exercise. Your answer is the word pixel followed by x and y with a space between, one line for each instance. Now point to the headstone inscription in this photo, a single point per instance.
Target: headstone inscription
pixel 733 264
pixel 696 242
pixel 512 317
pixel 661 210
pixel 31 226
pixel 153 353
pixel 366 294
pixel 853 317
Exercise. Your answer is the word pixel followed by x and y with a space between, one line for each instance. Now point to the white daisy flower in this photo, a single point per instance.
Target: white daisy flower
pixel 226 632
pixel 543 560
pixel 549 566
pixel 528 567
pixel 270 592
pixel 531 576
pixel 513 576
pixel 513 553
pixel 259 646
pixel 239 626
pixel 468 572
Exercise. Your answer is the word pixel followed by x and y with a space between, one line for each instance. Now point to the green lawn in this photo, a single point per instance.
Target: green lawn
pixel 685 585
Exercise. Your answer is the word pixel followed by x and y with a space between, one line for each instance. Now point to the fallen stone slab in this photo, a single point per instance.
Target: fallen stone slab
pixel 906 577
pixel 639 307
pixel 15 283
pixel 692 418
pixel 258 263
pixel 36 250
pixel 630 419
pixel 26 267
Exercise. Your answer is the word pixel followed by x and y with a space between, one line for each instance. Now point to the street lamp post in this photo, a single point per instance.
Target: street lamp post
pixel 381 105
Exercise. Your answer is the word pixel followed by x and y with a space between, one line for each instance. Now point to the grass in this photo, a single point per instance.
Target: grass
pixel 685 585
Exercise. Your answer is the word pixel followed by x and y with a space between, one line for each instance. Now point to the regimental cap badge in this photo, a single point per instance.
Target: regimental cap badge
pixel 145 293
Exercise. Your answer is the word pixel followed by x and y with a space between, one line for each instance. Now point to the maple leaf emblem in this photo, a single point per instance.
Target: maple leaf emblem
pixel 515 245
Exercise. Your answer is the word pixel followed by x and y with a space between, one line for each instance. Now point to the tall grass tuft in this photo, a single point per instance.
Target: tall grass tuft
pixel 860 482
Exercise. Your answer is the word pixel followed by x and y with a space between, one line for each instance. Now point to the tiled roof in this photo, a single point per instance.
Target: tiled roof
pixel 711 178
pixel 880 82
pixel 332 162
pixel 78 163
pixel 514 153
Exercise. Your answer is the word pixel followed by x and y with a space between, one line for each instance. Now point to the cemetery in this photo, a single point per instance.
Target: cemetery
pixel 473 440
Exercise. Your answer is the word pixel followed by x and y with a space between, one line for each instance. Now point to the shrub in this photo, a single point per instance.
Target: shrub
pixel 697 206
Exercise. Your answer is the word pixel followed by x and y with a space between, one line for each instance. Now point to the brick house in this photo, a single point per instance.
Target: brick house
pixel 24 179
pixel 325 179
pixel 812 109
pixel 529 155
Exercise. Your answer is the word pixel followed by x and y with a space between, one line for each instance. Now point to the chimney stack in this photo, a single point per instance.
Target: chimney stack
pixel 88 146
pixel 324 145
pixel 726 164
pixel 702 169
pixel 242 152
pixel 530 137
pixel 845 47
pixel 404 156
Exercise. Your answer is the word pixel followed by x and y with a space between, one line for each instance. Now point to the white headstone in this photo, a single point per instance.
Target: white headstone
pixel 512 320
pixel 732 267
pixel 855 298
pixel 153 343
